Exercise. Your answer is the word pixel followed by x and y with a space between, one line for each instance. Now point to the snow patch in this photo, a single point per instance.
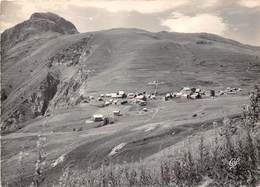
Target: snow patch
pixel 116 149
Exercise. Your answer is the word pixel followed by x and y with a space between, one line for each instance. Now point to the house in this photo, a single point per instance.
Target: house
pixel 168 96
pixel 108 95
pixel 98 117
pixel 107 103
pixel 115 101
pixel 198 90
pixel 195 96
pixel 142 103
pixel 186 89
pixel 186 92
pixel 174 94
pixel 179 94
pixel 210 93
pixel 124 102
pixel 153 96
pixel 100 99
pixel 193 90
pixel 117 113
pixel 141 97
pixel 122 94
pixel 145 109
pixel 130 95
pixel 185 95
pixel 114 95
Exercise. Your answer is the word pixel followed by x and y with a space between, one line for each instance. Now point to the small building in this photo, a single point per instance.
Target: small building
pixel 130 95
pixel 167 96
pixel 100 99
pixel 185 95
pixel 108 95
pixel 186 89
pixel 153 96
pixel 174 94
pixel 124 102
pixel 195 96
pixel 179 94
pixel 141 97
pixel 117 113
pixel 210 93
pixel 115 101
pixel 114 95
pixel 121 93
pixel 145 109
pixel 107 103
pixel 193 90
pixel 98 117
pixel 142 103
pixel 198 90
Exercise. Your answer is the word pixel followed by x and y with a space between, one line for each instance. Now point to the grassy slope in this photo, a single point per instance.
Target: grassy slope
pixel 129 58
pixel 92 145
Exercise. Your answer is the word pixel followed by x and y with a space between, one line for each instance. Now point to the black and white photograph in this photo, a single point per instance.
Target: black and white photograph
pixel 130 93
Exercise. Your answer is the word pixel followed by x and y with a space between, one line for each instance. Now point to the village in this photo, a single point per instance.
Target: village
pixel 142 99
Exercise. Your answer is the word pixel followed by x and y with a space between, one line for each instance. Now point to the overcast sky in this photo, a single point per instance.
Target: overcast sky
pixel 236 19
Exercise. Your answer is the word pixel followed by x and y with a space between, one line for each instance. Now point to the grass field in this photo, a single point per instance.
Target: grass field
pixel 166 124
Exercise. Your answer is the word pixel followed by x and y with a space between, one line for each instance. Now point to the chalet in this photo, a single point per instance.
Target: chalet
pixel 124 102
pixel 130 95
pixel 114 95
pixel 195 96
pixel 98 117
pixel 117 113
pixel 121 94
pixel 141 97
pixel 107 103
pixel 142 103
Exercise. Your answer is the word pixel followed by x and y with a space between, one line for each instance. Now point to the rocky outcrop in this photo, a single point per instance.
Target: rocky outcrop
pixel 32 106
pixel 68 92
pixel 71 55
pixel 40 100
pixel 55 90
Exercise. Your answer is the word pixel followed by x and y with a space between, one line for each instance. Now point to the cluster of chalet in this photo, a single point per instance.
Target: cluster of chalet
pixel 230 91
pixel 101 117
pixel 190 93
pixel 121 97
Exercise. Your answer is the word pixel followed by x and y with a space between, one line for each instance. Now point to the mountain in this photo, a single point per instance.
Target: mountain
pixel 38 24
pixel 47 64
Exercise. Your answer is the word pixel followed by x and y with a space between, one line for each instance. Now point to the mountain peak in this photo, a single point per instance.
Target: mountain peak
pixel 39 23
pixel 56 23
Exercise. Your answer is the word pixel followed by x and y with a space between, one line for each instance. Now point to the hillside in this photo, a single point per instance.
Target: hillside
pixel 48 67
pixel 46 62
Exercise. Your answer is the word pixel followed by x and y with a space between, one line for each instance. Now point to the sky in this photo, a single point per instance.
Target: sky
pixel 235 19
